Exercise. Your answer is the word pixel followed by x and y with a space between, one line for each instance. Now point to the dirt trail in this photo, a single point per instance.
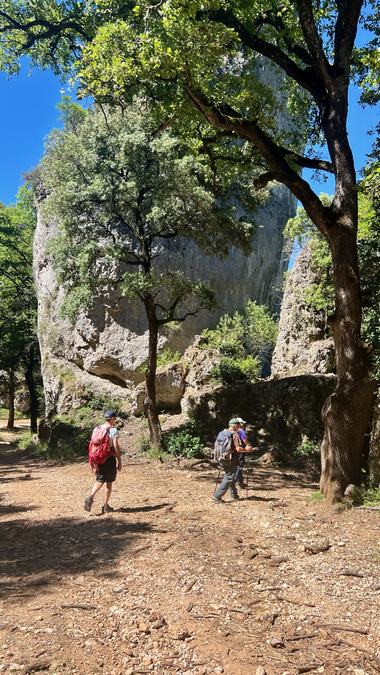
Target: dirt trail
pixel 173 583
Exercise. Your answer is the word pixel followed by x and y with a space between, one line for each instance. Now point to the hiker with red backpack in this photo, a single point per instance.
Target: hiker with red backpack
pixel 227 451
pixel 104 457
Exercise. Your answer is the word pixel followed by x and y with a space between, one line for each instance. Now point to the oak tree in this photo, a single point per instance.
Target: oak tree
pixel 125 193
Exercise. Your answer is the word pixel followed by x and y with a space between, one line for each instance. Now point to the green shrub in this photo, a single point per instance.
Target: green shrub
pixel 307 449
pixel 249 334
pixel 185 442
pixel 317 496
pixel 167 357
pixel 228 372
pixel 18 415
pixel 372 497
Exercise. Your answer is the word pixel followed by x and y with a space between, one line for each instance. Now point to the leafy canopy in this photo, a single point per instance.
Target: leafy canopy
pixel 18 316
pixel 123 190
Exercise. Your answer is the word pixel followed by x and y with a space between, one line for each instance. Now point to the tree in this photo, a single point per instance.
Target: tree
pixel 208 55
pixel 123 192
pixel 18 321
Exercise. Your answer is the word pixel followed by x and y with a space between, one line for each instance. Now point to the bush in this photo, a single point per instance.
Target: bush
pixel 167 357
pixel 307 449
pixel 372 497
pixel 185 442
pixel 228 372
pixel 231 370
pixel 244 340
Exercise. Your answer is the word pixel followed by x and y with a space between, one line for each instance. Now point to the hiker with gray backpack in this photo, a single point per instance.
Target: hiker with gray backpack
pixel 227 450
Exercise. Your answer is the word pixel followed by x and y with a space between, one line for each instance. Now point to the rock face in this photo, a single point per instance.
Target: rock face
pixel 102 352
pixel 302 345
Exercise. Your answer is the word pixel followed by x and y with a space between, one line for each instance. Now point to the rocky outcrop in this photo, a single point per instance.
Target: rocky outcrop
pixel 302 345
pixel 109 343
pixel 283 412
pixel 170 388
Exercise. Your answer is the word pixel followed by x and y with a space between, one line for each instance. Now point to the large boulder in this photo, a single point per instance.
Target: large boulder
pixel 170 388
pixel 283 412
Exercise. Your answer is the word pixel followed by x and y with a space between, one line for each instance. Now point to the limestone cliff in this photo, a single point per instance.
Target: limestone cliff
pixel 101 354
pixel 303 345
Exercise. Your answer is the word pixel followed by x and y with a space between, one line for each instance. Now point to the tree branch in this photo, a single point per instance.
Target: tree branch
pixel 262 181
pixel 50 29
pixel 274 155
pixel 345 33
pixel 305 77
pixel 309 162
pixel 320 63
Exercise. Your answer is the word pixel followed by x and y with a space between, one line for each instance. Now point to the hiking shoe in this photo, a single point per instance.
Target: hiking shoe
pixel 217 500
pixel 88 503
pixel 235 497
pixel 107 509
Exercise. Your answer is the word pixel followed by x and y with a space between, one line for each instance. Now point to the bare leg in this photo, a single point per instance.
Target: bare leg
pixel 108 492
pixel 97 486
pixel 88 500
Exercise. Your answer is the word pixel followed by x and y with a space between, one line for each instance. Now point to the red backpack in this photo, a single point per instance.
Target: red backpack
pixel 99 447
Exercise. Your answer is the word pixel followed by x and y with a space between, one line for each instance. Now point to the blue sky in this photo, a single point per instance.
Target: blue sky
pixel 28 112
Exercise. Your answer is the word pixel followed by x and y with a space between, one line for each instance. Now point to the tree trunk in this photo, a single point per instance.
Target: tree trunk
pixel 30 382
pixel 150 409
pixel 347 411
pixel 11 400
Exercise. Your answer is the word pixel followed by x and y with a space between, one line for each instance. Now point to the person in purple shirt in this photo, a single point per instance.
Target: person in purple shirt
pixel 248 447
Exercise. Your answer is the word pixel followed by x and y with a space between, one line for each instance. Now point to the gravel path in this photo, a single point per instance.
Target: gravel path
pixel 173 583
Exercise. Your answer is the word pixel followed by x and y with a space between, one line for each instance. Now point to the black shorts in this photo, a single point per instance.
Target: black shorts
pixel 107 472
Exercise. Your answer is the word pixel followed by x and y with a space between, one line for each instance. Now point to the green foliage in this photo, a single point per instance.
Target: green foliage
pixel 18 302
pixel 245 340
pixel 166 357
pixel 4 414
pixel 372 497
pixel 317 496
pixel 108 174
pixel 231 369
pixel 307 449
pixel 185 442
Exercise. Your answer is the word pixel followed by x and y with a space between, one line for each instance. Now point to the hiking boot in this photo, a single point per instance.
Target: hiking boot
pixel 88 503
pixel 217 500
pixel 235 497
pixel 107 509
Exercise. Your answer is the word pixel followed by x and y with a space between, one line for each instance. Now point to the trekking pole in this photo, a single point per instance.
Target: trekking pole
pixel 247 478
pixel 217 480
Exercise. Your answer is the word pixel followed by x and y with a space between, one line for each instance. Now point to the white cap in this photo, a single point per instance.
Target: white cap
pixel 241 421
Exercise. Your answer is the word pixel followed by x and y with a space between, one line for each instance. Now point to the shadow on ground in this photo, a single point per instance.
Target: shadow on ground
pixel 142 509
pixel 261 479
pixel 32 554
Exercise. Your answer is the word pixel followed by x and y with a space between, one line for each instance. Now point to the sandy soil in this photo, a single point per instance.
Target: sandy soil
pixel 173 583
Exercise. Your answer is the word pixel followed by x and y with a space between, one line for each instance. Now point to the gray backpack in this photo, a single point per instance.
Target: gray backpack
pixel 223 446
